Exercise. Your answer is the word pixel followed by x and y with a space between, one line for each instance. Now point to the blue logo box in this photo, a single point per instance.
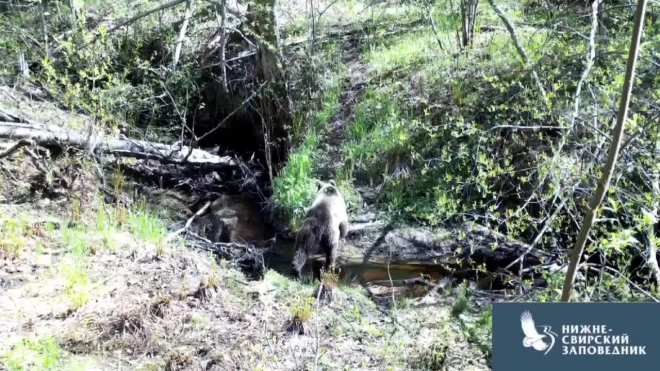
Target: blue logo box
pixel 576 336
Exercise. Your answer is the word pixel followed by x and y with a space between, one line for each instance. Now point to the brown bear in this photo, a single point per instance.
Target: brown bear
pixel 236 219
pixel 325 223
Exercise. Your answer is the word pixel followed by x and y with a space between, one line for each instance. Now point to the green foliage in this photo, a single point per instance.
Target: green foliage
pixel 462 302
pixel 302 311
pixel 146 225
pixel 294 187
pixel 12 236
pixel 34 354
pixel 479 332
pixel 78 288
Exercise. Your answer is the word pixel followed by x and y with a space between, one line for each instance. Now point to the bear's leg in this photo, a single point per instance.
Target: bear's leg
pixel 331 251
pixel 300 255
pixel 343 228
pixel 218 230
pixel 299 260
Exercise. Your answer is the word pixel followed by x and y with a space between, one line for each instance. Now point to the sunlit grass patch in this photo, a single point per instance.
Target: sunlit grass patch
pixel 78 287
pixel 34 354
pixel 294 188
pixel 404 52
pixel 12 236
pixel 146 225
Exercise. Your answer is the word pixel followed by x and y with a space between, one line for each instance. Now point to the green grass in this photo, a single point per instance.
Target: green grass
pixel 78 287
pixel 294 187
pixel 34 354
pixel 12 236
pixel 146 225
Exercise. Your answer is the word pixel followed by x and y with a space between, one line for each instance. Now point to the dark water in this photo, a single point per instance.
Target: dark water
pixel 381 278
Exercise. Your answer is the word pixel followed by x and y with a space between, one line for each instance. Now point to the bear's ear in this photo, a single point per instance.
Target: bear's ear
pixel 332 181
pixel 318 184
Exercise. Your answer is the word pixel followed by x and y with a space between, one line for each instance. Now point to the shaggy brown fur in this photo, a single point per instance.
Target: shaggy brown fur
pixel 235 219
pixel 325 223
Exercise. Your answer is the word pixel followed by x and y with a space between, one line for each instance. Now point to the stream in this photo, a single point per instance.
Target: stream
pixel 378 276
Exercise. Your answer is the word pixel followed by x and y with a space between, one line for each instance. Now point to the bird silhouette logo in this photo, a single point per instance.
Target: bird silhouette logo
pixel 540 342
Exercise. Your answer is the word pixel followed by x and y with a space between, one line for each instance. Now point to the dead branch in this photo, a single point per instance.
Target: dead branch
pixel 15 146
pixel 187 225
pixel 182 35
pixel 538 237
pixel 223 44
pixel 652 258
pixel 590 61
pixel 51 136
pixel 521 50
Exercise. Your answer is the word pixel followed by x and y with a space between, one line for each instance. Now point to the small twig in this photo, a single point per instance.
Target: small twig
pixel 318 333
pixel 390 278
pixel 652 259
pixel 434 27
pixel 223 43
pixel 45 28
pixel 621 275
pixel 538 237
pixel 131 20
pixel 254 94
pixel 187 225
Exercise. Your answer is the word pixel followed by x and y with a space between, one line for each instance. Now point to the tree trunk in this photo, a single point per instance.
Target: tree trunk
pixel 57 137
pixel 468 20
pixel 279 108
pixel 608 169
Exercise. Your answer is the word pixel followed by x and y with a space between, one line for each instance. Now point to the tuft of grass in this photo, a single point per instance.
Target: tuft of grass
pixel 301 311
pixel 294 186
pixel 432 359
pixel 146 225
pixel 34 354
pixel 78 287
pixel 462 302
pixel 12 237
pixel 77 241
pixel 331 279
pixel 480 331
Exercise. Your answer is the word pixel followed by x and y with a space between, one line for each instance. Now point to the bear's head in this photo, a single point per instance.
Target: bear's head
pixel 329 188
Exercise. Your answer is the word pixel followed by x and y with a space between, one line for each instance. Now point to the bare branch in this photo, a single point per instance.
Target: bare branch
pixel 132 19
pixel 187 225
pixel 652 258
pixel 608 169
pixel 182 34
pixel 15 146
pixel 521 50
pixel 254 94
pixel 590 60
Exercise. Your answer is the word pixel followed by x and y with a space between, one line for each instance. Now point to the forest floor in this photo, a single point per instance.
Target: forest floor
pixel 86 285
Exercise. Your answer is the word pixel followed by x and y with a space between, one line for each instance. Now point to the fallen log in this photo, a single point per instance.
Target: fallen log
pixel 54 136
